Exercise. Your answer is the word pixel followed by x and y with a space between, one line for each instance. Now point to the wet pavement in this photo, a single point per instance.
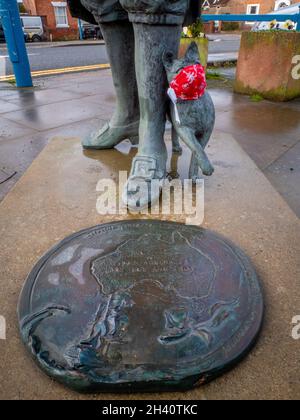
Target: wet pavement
pixel 76 104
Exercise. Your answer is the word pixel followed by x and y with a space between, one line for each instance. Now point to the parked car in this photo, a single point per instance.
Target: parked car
pixel 290 10
pixel 33 26
pixel 2 36
pixel 91 31
pixel 26 36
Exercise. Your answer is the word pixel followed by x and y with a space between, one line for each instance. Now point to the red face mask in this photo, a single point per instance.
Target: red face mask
pixel 190 83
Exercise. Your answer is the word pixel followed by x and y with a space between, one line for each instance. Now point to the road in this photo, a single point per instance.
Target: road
pixel 45 57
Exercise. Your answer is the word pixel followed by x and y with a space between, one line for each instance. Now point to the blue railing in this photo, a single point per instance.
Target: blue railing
pixel 253 18
pixel 14 36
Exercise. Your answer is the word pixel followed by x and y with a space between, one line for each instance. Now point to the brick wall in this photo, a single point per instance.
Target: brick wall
pixel 266 6
pixel 45 9
pixel 30 6
pixel 240 7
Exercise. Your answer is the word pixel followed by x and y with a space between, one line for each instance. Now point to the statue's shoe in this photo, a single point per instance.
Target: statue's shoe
pixel 109 136
pixel 144 184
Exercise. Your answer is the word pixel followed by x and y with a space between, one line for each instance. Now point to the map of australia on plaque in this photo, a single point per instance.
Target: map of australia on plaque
pixel 140 305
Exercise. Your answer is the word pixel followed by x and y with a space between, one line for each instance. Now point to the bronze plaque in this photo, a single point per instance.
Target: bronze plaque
pixel 140 306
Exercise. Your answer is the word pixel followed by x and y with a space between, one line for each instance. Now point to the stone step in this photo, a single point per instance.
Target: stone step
pixel 57 196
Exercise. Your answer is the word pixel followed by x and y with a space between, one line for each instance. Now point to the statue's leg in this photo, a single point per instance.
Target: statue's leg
pixel 150 42
pixel 198 153
pixel 119 39
pixel 157 28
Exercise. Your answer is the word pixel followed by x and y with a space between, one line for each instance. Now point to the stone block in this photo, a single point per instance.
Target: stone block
pixel 269 65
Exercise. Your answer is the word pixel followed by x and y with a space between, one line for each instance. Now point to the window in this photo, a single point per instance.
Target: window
pixel 252 9
pixel 61 17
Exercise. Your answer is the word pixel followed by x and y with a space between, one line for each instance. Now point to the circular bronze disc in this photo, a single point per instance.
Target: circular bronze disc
pixel 140 306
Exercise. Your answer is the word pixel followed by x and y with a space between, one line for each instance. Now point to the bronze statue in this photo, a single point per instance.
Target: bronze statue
pixel 137 33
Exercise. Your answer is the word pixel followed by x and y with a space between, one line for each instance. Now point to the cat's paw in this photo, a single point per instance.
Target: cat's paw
pixel 207 169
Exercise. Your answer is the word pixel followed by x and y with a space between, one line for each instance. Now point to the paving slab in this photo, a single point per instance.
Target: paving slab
pixel 5 106
pixel 264 129
pixel 284 174
pixel 50 116
pixel 39 97
pixel 9 91
pixel 57 196
pixel 18 154
pixel 225 100
pixel 13 129
pixel 101 86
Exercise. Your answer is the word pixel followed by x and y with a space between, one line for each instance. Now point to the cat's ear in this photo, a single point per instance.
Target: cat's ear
pixel 168 59
pixel 192 53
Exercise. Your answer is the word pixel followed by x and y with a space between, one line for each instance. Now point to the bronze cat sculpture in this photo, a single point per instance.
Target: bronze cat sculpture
pixel 196 117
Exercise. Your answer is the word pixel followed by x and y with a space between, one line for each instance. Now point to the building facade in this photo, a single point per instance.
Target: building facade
pixel 58 22
pixel 250 7
pixel 244 6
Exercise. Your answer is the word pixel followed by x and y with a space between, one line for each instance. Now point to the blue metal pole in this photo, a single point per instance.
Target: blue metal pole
pixel 80 29
pixel 14 36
